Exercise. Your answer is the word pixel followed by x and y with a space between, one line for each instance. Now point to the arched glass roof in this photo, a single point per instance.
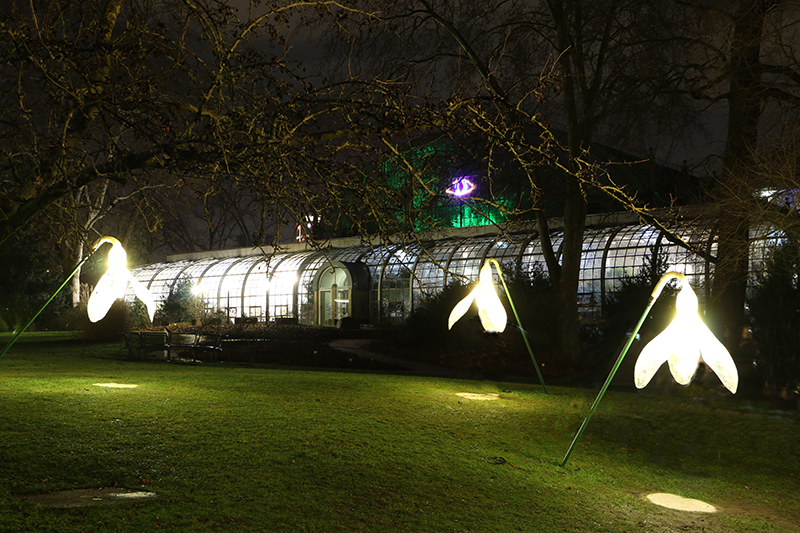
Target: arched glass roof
pixel 281 285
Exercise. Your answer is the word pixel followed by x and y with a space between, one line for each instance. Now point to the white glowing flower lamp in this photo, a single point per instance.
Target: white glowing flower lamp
pixel 490 308
pixel 114 283
pixel 684 343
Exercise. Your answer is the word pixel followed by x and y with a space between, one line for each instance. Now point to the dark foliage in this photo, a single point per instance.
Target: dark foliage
pixel 111 327
pixel 256 332
pixel 427 323
pixel 138 314
pixel 28 279
pixel 178 306
pixel 285 345
pixel 775 315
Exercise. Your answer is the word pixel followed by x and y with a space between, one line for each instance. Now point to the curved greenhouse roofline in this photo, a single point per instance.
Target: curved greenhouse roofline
pixel 268 284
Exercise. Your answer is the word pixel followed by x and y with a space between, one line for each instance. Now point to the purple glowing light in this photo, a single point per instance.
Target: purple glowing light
pixel 461 187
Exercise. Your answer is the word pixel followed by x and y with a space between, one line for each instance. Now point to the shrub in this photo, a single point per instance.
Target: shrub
pixel 533 298
pixel 178 306
pixel 28 281
pixel 138 314
pixel 216 318
pixel 427 323
pixel 775 314
pixel 111 327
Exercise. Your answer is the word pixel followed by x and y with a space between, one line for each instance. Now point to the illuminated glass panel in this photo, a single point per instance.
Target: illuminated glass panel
pixel 629 250
pixel 165 279
pixel 195 271
pixel 215 295
pixel 467 259
pixel 763 240
pixel 687 262
pixel 590 292
pixel 320 262
pixel 395 281
pixel 430 271
pixel 232 285
pixel 254 293
pixel 533 258
pixel 145 275
pixel 507 251
pixel 334 276
pixel 283 282
pixel 349 255
pixel 284 285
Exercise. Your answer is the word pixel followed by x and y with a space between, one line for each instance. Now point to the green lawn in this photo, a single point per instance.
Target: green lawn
pixel 275 449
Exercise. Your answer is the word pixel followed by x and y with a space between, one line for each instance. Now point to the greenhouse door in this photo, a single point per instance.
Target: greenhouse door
pixel 334 296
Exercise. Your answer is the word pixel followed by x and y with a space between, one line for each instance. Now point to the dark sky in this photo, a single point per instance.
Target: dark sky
pixel 308 49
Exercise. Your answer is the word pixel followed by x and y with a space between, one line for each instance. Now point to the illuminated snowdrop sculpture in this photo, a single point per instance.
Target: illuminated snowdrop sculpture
pixel 490 308
pixel 110 287
pixel 683 344
pixel 114 283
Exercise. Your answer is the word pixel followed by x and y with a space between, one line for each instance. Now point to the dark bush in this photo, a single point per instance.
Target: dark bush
pixel 775 314
pixel 29 279
pixel 427 323
pixel 111 327
pixel 138 314
pixel 533 298
pixel 216 318
pixel 179 305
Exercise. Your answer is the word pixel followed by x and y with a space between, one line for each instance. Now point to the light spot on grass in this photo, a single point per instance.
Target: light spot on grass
pixel 116 385
pixel 477 396
pixel 679 503
pixel 85 497
pixel 137 495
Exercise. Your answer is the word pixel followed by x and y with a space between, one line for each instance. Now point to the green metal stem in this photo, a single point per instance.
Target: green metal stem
pixel 20 332
pixel 609 378
pixel 653 297
pixel 516 316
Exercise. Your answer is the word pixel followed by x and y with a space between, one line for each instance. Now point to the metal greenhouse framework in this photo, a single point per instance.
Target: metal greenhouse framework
pixel 382 283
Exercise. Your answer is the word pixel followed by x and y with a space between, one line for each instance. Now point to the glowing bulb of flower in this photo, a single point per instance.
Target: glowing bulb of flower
pixel 490 308
pixel 683 344
pixel 114 283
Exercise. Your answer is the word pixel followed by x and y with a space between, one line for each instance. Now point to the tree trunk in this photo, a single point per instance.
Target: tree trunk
pixel 734 192
pixel 579 117
pixel 567 286
pixel 75 282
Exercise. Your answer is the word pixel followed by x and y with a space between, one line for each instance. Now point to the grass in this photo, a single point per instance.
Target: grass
pixel 233 448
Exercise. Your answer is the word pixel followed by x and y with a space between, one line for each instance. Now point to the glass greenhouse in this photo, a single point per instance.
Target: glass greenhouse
pixel 381 284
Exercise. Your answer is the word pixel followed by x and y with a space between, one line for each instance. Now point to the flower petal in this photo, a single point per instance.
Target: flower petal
pixel 460 309
pixel 110 287
pixel 652 356
pixel 718 359
pixel 143 294
pixel 491 311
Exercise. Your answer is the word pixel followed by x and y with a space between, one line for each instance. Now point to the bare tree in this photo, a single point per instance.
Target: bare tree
pixel 510 73
pixel 135 95
pixel 743 62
